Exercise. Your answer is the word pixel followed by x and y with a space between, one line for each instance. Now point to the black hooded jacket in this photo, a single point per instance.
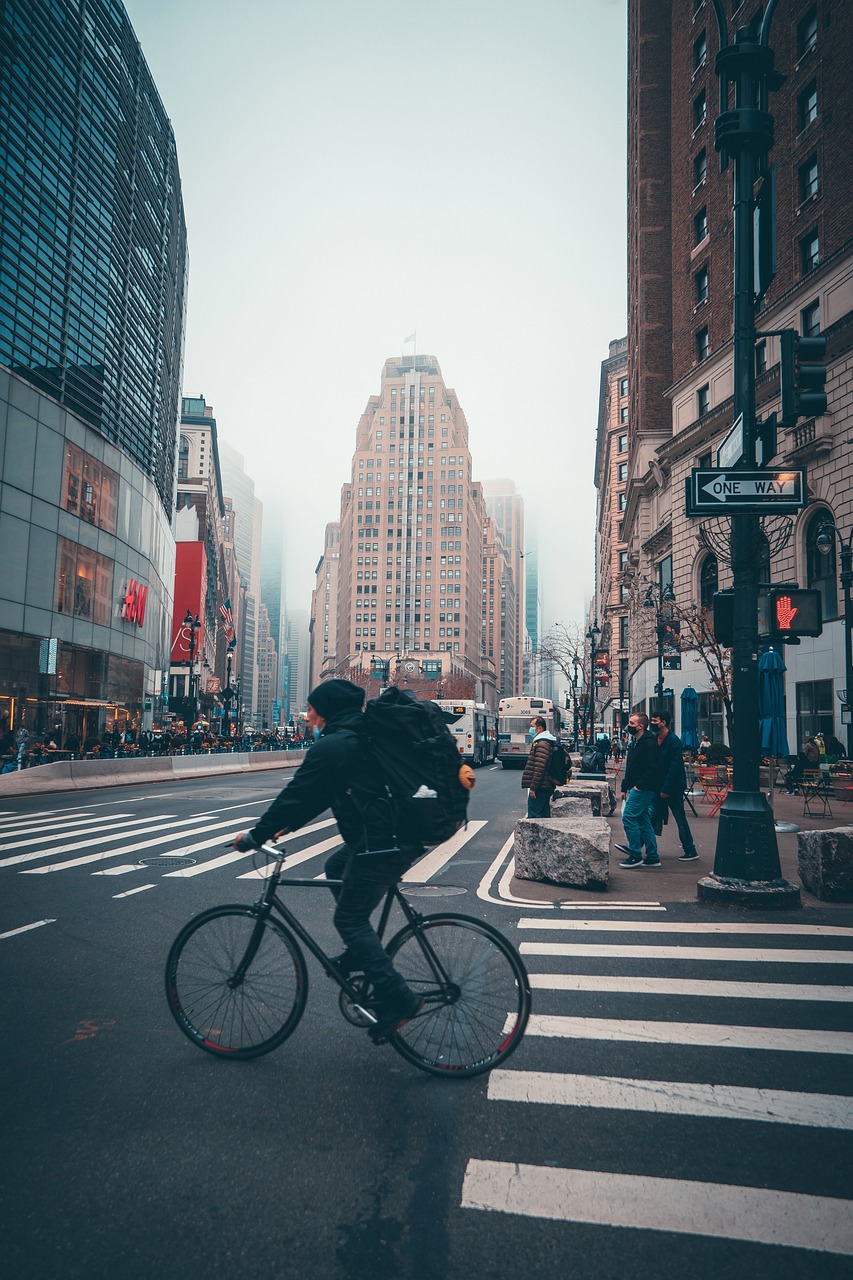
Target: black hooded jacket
pixel 338 775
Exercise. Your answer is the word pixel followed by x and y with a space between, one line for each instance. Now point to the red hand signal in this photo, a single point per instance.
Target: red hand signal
pixel 785 613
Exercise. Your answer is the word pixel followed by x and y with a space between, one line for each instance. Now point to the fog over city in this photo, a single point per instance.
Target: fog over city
pixel 356 173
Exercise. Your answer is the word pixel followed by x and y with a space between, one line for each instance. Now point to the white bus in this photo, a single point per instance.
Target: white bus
pixel 474 727
pixel 514 716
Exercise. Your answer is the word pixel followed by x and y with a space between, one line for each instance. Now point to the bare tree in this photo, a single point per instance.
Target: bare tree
pixel 697 636
pixel 563 647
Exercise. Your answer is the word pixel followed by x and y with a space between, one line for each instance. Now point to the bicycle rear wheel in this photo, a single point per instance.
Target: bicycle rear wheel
pixel 476 995
pixel 240 1018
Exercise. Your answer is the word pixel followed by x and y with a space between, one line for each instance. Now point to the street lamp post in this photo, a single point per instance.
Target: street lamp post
pixel 575 700
pixel 824 546
pixel 228 692
pixel 657 598
pixel 193 625
pixel 592 636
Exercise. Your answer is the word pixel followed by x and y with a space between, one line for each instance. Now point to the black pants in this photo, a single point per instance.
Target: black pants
pixel 365 879
pixel 675 804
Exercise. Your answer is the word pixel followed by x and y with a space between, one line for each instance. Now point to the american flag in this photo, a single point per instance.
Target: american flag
pixel 227 619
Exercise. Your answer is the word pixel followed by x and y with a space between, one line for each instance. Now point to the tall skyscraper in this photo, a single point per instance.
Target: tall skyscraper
pixel 298 660
pixel 93 278
pixel 324 605
pixel 412 516
pixel 248 512
pixel 506 509
pixel 273 591
pixel 267 663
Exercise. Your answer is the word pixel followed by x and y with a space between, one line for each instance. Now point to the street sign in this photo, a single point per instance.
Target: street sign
pixel 730 451
pixel 769 491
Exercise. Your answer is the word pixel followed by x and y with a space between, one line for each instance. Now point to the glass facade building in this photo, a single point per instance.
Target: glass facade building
pixel 93 271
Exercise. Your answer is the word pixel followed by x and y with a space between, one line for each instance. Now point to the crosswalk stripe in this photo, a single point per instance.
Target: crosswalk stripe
pixel 718 1210
pixel 617 952
pixel 131 848
pixel 673 1097
pixel 140 888
pixel 104 836
pixel 228 858
pixel 123 870
pixel 22 825
pixel 442 853
pixel 25 928
pixel 688 987
pixel 294 859
pixel 651 926
pixel 707 1035
pixel 47 814
pixel 103 824
pixel 227 808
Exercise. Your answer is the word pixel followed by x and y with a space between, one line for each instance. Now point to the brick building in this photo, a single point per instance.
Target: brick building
pixel 680 320
pixel 611 554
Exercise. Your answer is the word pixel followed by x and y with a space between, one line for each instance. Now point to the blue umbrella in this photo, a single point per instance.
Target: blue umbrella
pixel 771 704
pixel 689 718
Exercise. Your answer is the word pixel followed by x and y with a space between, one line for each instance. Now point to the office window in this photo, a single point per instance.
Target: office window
pixel 708 581
pixel 623 386
pixel 760 357
pixel 810 320
pixel 809 252
pixel 700 168
pixel 700 226
pixel 807 105
pixel 809 180
pixel 623 472
pixel 701 280
pixel 623 501
pixel 623 631
pixel 807 32
pixel 700 109
pixel 623 444
pixel 623 414
pixel 665 572
pixel 703 400
pixel 702 345
pixel 700 51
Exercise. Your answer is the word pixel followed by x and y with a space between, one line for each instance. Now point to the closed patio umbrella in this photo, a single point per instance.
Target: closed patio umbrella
pixel 689 717
pixel 771 713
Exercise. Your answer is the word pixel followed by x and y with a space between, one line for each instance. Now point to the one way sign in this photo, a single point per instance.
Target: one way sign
pixel 759 492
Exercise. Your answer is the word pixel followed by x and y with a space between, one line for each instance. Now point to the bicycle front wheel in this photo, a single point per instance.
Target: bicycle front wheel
pixel 222 1010
pixel 475 990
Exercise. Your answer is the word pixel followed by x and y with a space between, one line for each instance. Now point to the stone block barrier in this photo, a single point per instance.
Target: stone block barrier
pixel 600 794
pixel 825 863
pixel 571 807
pixel 570 851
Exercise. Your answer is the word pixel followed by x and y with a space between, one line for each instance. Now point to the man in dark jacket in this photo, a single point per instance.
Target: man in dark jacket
pixel 673 781
pixel 540 785
pixel 334 773
pixel 640 787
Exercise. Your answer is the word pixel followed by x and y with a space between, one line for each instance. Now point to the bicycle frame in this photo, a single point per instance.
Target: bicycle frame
pixel 270 902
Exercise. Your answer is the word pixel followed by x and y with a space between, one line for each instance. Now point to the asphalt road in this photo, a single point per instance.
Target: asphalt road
pixel 652 1122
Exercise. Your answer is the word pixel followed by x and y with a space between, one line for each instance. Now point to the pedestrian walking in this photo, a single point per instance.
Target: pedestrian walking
pixel 535 777
pixel 640 789
pixel 673 782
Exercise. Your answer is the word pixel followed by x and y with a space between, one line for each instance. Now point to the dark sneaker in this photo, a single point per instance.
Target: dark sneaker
pixel 391 1013
pixel 651 862
pixel 688 857
pixel 631 861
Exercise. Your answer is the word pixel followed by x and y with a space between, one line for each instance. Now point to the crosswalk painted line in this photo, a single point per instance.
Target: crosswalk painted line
pixel 25 928
pixel 738 954
pixel 661 1204
pixel 123 870
pixel 294 859
pixel 227 858
pixel 101 825
pixel 133 848
pixel 721 927
pixel 105 835
pixel 432 862
pixel 23 826
pixel 673 1097
pixel 140 888
pixel 706 1035
pixel 229 808
pixel 688 987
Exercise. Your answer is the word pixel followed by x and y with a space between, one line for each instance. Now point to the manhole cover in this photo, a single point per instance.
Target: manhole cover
pixel 167 862
pixel 433 890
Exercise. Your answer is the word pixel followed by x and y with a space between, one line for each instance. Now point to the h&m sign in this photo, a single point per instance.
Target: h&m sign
pixel 133 604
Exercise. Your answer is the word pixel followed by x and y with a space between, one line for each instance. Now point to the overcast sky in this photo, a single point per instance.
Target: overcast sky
pixel 354 171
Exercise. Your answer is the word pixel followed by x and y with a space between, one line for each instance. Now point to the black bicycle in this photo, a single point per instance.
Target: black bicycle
pixel 237 982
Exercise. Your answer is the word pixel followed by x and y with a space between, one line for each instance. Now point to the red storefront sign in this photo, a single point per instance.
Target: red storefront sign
pixel 133 605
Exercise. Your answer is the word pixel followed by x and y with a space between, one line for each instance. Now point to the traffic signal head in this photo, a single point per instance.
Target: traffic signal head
pixel 802 377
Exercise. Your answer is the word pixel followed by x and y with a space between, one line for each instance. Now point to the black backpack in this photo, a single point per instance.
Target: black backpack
pixel 418 759
pixel 592 761
pixel 558 765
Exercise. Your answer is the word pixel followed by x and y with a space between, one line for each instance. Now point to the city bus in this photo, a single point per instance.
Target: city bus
pixel 474 727
pixel 514 716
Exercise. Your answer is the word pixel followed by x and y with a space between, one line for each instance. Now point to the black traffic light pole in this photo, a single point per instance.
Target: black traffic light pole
pixel 746 864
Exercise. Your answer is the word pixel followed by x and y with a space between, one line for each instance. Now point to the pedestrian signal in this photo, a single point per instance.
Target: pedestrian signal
pixel 794 612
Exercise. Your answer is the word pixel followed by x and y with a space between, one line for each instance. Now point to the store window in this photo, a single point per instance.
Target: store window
pixel 84 583
pixel 90 489
pixel 814 710
pixel 709 719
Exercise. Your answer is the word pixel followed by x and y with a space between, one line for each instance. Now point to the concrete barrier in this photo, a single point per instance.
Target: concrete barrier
pixel 87 775
pixel 825 863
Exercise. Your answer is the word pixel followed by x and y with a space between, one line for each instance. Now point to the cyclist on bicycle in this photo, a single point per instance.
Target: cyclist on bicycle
pixel 336 775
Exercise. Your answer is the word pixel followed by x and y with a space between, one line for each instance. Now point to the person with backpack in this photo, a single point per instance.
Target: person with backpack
pixel 537 776
pixel 347 772
pixel 673 782
pixel 640 790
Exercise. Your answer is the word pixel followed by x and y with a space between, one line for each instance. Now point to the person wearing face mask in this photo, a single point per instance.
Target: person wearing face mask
pixel 640 784
pixel 333 772
pixel 536 777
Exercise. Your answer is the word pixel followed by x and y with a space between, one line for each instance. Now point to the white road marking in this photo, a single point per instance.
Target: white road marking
pixel 707 1035
pixel 673 1097
pixel 650 926
pixel 21 826
pixel 132 848
pixel 688 987
pixel 442 853
pixel 82 830
pixel 120 871
pixel 226 808
pixel 139 889
pixel 293 859
pixel 25 928
pixel 103 837
pixel 713 1209
pixel 748 954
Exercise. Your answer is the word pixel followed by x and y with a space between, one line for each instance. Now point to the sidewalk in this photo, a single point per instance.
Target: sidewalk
pixel 676 881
